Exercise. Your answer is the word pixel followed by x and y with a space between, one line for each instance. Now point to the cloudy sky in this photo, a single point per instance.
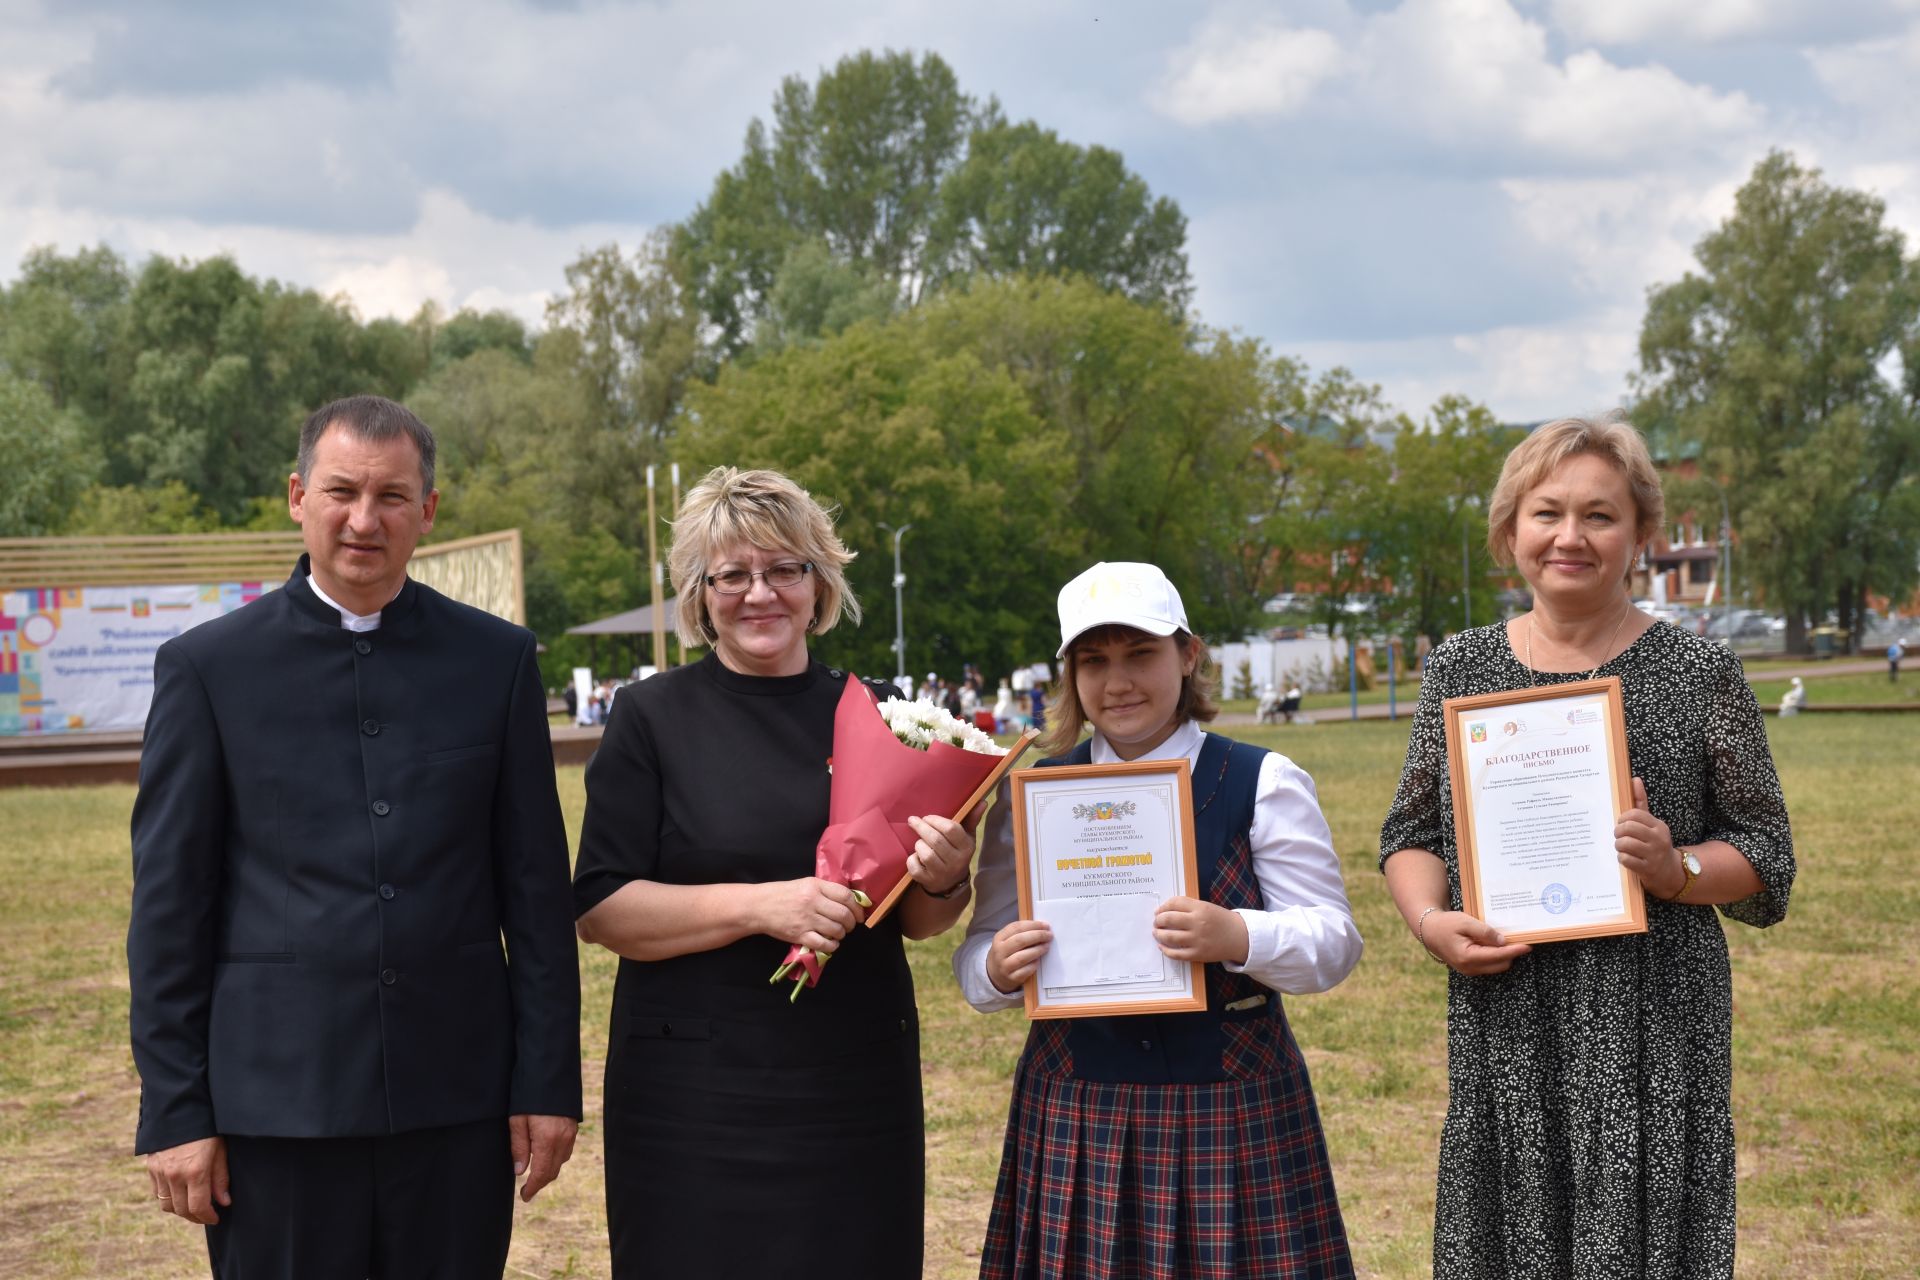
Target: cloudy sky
pixel 1444 195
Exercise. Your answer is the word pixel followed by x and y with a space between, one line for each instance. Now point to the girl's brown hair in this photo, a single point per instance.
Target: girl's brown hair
pixel 1067 719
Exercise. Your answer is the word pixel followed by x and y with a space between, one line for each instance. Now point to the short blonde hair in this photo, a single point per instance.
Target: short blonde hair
pixel 1066 718
pixel 1534 459
pixel 730 508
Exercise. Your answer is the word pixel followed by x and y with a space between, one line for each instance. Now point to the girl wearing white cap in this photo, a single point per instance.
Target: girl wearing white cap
pixel 1170 1144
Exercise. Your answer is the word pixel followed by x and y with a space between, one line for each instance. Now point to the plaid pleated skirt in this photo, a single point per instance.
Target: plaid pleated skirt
pixel 1217 1181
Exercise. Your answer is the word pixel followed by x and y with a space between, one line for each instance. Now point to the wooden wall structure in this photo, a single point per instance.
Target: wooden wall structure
pixel 487 571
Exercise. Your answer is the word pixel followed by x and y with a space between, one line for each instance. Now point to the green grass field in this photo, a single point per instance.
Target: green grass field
pixel 1827 1015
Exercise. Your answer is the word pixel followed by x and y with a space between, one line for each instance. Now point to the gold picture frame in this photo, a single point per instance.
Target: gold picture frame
pixel 1540 776
pixel 1090 875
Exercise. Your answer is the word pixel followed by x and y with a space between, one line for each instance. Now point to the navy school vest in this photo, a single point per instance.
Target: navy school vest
pixel 1243 1032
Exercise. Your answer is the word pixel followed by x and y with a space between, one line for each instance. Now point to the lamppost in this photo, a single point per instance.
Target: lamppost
pixel 1466 503
pixel 1726 543
pixel 899 607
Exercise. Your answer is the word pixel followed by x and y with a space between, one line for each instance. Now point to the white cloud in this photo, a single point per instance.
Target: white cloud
pixel 1523 373
pixel 1618 235
pixel 1706 22
pixel 1475 76
pixel 1881 75
pixel 1227 73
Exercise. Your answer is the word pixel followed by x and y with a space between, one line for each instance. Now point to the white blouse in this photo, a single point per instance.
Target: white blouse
pixel 1304 940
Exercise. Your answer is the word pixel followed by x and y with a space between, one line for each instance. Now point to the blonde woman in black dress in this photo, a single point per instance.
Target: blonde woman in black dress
pixel 746 1136
pixel 1589 1131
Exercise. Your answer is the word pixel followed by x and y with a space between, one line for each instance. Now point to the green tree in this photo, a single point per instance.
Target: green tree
pixel 1026 202
pixel 1308 493
pixel 854 162
pixel 171 507
pixel 1025 428
pixel 48 464
pixel 626 339
pixel 506 431
pixel 1772 359
pixel 63 324
pixel 887 168
pixel 1428 524
pixel 816 295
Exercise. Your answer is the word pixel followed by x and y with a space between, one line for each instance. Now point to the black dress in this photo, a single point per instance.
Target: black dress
pixel 746 1136
pixel 1589 1130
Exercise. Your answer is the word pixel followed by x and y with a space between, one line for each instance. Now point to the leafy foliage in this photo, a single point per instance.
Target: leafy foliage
pixel 1773 362
pixel 47 461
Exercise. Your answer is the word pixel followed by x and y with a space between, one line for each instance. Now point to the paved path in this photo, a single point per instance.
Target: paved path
pixel 1839 667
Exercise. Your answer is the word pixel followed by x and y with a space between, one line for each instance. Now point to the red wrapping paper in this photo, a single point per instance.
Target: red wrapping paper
pixel 878 783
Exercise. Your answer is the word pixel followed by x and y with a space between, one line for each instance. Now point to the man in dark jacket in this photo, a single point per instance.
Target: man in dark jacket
pixel 346 803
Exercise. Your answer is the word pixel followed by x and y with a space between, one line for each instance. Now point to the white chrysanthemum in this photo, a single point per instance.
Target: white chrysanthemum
pixel 919 724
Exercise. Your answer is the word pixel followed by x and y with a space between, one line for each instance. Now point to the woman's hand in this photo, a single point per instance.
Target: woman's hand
pixel 1645 845
pixel 941 856
pixel 811 913
pixel 1189 929
pixel 1015 954
pixel 1469 946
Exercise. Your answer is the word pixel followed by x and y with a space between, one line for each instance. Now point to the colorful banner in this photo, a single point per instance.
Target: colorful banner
pixel 76 659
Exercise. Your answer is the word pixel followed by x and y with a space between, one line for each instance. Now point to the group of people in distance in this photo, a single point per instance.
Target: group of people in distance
pixel 343 1074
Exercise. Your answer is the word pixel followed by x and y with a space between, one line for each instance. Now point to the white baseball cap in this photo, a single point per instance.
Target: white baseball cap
pixel 1119 593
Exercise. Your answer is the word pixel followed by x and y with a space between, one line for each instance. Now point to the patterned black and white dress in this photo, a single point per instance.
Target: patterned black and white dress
pixel 1589 1130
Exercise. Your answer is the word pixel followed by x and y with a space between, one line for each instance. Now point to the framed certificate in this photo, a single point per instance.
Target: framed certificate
pixel 1098 848
pixel 1540 776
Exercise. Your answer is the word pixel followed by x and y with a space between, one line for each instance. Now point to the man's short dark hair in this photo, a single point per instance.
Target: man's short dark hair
pixel 372 418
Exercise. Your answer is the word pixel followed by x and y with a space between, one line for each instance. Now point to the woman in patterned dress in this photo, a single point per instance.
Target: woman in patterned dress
pixel 1589 1131
pixel 1184 1144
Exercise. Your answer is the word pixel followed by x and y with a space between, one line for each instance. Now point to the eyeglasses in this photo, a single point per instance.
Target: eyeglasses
pixel 733 582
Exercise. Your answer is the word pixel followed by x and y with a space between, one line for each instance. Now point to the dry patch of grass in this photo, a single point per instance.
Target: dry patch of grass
pixel 1826 1100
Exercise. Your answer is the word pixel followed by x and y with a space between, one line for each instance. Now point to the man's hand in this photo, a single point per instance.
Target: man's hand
pixel 541 1144
pixel 188 1180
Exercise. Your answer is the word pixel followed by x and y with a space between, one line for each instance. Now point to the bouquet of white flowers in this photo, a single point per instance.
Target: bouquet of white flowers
pixel 878 783
pixel 920 724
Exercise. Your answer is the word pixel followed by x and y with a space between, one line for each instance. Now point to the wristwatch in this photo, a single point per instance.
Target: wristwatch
pixel 1689 863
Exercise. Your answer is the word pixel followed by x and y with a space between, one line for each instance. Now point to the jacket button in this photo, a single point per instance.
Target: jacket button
pixel 386 891
pixel 381 808
pixel 834 672
pixel 389 976
pixel 1146 1046
pixel 666 1028
pixel 370 727
pixel 363 647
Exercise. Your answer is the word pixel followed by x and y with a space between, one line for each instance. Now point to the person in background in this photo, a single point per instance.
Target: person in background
pixel 1895 652
pixel 1794 700
pixel 1180 1144
pixel 1589 1127
pixel 1003 707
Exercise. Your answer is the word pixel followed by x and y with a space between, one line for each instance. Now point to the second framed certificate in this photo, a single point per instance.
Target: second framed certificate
pixel 1540 776
pixel 1099 848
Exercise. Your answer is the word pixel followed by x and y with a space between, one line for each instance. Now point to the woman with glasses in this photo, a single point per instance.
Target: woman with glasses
pixel 746 1135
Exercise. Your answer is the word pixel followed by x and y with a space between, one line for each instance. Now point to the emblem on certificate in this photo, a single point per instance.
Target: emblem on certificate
pixel 1099 847
pixel 1540 776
